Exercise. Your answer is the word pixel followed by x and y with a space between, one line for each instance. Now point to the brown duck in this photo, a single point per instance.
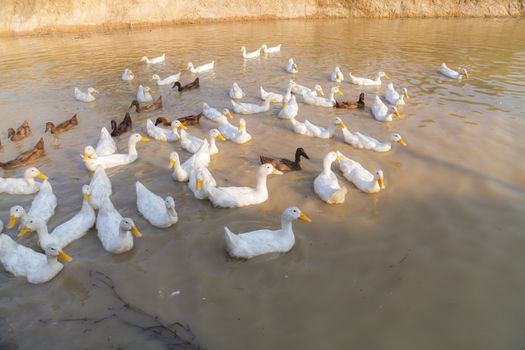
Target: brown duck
pixel 64 126
pixel 353 104
pixel 21 133
pixel 149 108
pixel 123 127
pixel 193 85
pixel 26 157
pixel 186 121
pixel 286 164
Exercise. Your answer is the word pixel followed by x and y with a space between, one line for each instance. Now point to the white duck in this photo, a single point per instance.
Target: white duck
pixel 144 94
pixel 393 97
pixel 381 112
pixel 272 49
pixel 232 197
pixel 443 69
pixel 291 67
pixel 235 91
pixel 214 115
pixel 275 97
pixel 200 181
pixel 22 261
pixel 91 160
pixel 289 110
pixel 166 81
pixel 360 177
pixel 250 244
pixel 25 185
pixel 100 187
pixel 85 96
pixel 192 143
pixel 337 75
pixel 322 101
pixel 69 231
pixel 361 141
pixel 237 135
pixel 155 60
pixel 114 231
pixel 200 69
pixel 309 129
pixel 181 172
pixel 159 212
pixel 367 81
pixel 326 185
pixel 253 54
pixel 250 108
pixel 42 207
pixel 162 134
pixel 300 90
pixel 105 145
pixel 128 75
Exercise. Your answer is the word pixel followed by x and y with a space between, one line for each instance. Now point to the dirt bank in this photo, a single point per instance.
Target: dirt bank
pixel 42 16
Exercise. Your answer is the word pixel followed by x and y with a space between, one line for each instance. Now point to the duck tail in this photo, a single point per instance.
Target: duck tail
pixel 74 119
pixel 230 238
pixel 339 195
pixel 264 159
pixel 40 144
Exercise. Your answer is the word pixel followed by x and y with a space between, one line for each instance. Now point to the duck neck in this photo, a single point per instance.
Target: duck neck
pixel 261 183
pixel 172 213
pixel 213 145
pixel 286 225
pixel 298 159
pixel 30 180
pixel 331 129
pixel 132 148
pixel 327 166
pixel 43 233
pixel 332 96
pixel 52 260
pixel 177 169
pixel 378 79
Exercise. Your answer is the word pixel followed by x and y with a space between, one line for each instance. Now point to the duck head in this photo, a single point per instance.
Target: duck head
pixel 338 122
pixel 31 225
pixel 294 213
pixel 301 153
pixel 176 125
pixel 54 251
pixel 463 71
pixel 319 89
pixel 395 111
pixel 268 169
pixel 15 213
pixel 382 75
pixel 397 138
pixel 86 191
pixel 189 66
pixel 242 125
pixel 216 134
pixel 174 159
pixel 227 113
pixel 379 177
pixel 128 225
pixel 32 173
pixel 136 138
pixel 89 153
pixel 91 90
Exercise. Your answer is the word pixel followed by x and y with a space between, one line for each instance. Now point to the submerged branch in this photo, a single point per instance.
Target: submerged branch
pixel 173 336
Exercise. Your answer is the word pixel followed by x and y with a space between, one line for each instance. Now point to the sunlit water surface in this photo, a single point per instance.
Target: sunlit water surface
pixel 435 261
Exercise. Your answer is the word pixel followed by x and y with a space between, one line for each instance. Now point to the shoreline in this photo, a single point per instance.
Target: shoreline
pixel 32 18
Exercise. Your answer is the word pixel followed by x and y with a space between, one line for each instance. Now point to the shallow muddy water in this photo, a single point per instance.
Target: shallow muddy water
pixel 435 261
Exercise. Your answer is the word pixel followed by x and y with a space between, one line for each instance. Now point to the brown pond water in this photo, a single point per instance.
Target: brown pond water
pixel 435 261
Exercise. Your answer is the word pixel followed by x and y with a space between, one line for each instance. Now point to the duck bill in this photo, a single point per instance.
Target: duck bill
pixel 339 92
pixel 339 157
pixel 285 104
pixel 381 182
pixel 321 92
pixel 41 176
pixel 402 142
pixel 229 115
pixel 406 94
pixel 172 163
pixel 135 231
pixel 182 126
pixel 64 257
pixel 342 125
pixel 241 128
pixel 86 157
pixel 12 221
pixel 198 184
pixel 220 137
pixel 386 76
pixel 144 139
pixel 397 114
pixel 304 218
pixel 85 196
pixel 23 231
pixel 277 172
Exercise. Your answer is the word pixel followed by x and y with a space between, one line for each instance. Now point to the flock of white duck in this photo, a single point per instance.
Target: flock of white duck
pixel 117 233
